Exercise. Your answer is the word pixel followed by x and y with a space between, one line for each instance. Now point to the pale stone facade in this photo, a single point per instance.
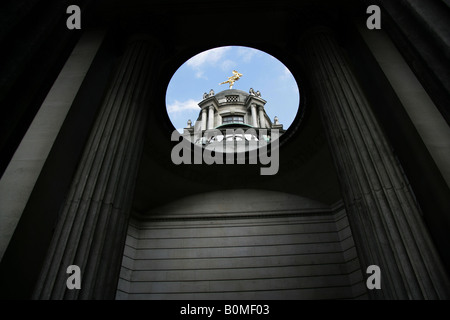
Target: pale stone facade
pixel 231 108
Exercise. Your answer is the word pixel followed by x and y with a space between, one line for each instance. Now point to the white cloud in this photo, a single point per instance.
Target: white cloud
pixel 228 65
pixel 246 54
pixel 183 106
pixel 286 74
pixel 210 58
pixel 200 74
pixel 217 58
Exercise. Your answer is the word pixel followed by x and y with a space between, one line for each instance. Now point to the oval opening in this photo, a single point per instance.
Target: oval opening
pixel 232 94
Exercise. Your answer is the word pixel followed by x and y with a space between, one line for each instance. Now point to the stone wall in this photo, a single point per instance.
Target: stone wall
pixel 281 247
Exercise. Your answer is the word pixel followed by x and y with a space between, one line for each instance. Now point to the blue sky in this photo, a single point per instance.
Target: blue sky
pixel 206 70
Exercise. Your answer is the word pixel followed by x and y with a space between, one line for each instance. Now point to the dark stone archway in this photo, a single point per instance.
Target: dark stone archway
pixel 177 32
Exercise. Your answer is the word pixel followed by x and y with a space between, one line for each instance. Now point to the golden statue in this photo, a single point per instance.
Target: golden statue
pixel 231 80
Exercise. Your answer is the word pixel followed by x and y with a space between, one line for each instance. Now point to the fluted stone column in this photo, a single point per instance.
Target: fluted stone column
pixel 254 116
pixel 204 116
pixel 386 222
pixel 219 120
pixel 92 225
pixel 262 119
pixel 211 117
